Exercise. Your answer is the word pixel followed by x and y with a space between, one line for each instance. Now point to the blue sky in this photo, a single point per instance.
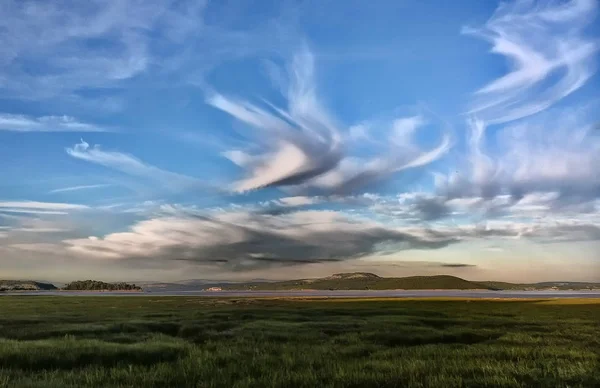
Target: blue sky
pixel 264 139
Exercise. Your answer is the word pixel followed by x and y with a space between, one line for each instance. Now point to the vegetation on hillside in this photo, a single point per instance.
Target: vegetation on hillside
pixel 95 285
pixel 24 285
pixel 365 281
pixel 564 286
pixel 228 342
pixel 370 281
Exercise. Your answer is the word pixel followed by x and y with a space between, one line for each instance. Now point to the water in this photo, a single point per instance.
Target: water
pixel 331 294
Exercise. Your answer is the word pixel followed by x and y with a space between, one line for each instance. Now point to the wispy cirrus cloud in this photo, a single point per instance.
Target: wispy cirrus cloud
pixel 296 145
pixel 23 123
pixel 556 153
pixel 526 176
pixel 550 54
pixel 30 224
pixel 305 147
pixel 108 46
pixel 61 35
pixel 132 166
pixel 35 207
pixel 298 201
pixel 78 188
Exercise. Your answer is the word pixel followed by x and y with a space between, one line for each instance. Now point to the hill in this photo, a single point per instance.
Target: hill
pixel 564 286
pixel 24 285
pixel 95 285
pixel 364 281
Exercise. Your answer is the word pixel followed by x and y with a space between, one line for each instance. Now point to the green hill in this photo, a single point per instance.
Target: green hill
pixel 364 281
pixel 95 285
pixel 24 285
pixel 564 286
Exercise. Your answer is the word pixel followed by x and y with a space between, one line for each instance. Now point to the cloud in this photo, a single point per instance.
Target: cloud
pixel 28 224
pixel 548 159
pixel 556 153
pixel 38 230
pixel 305 147
pixel 296 145
pixel 540 231
pixel 298 201
pixel 243 241
pixel 22 123
pixel 42 248
pixel 78 188
pixel 60 37
pixel 431 208
pixel 132 166
pixel 457 265
pixel 33 207
pixel 240 240
pixel 109 46
pixel 539 217
pixel 549 53
pixel 405 208
pixel 285 205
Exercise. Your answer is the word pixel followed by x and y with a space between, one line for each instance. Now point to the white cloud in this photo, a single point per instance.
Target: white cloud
pixel 298 201
pixel 108 45
pixel 59 37
pixel 78 188
pixel 550 56
pixel 30 211
pixel 241 241
pixel 404 128
pixel 295 145
pixel 34 205
pixel 130 165
pixel 22 123
pixel 42 248
pixel 39 230
pixel 305 147
pixel 245 240
pixel 39 208
pixel 558 152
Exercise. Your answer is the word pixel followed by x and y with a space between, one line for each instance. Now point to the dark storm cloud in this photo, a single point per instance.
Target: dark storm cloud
pixel 244 241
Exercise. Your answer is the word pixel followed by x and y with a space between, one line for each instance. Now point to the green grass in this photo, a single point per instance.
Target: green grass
pixel 238 342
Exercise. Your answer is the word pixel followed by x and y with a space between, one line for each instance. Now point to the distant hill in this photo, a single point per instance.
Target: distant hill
pixel 370 281
pixel 95 285
pixel 565 286
pixel 181 286
pixel 193 284
pixel 339 281
pixel 25 285
pixel 364 281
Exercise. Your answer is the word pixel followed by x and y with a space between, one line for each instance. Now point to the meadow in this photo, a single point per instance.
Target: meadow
pixel 141 341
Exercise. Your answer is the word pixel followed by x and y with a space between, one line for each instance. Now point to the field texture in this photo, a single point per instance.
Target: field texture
pixel 200 342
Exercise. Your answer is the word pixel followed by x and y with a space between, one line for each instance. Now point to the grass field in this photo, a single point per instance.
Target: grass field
pixel 200 342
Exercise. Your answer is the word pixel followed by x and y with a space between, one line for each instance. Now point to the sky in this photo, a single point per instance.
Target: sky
pixel 225 140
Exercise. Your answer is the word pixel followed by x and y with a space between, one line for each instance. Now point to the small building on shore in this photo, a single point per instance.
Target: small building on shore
pixel 214 289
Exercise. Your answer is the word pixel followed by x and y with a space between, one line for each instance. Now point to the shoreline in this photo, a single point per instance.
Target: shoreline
pixel 94 290
pixel 393 290
pixel 347 294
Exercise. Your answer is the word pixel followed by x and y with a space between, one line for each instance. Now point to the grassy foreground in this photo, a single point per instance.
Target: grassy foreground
pixel 238 342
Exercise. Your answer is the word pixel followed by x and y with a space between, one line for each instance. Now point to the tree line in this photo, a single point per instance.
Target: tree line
pixel 87 285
